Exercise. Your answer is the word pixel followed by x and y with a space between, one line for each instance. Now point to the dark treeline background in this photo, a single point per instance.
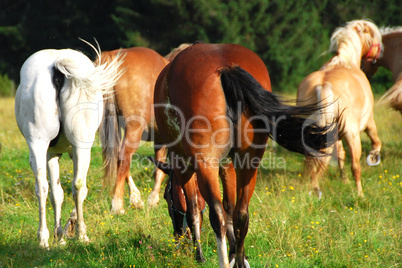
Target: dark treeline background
pixel 289 35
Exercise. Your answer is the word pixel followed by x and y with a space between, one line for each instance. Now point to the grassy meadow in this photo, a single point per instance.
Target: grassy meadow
pixel 288 227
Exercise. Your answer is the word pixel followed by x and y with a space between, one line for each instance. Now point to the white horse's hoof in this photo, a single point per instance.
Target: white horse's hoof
pixel 44 245
pixel 246 264
pixel 84 238
pixel 373 159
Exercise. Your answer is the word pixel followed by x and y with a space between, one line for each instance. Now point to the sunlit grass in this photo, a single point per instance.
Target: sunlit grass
pixel 288 226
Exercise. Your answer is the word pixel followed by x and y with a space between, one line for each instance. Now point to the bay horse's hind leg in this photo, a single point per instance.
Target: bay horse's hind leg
pixel 187 180
pixel 245 183
pixel 37 160
pixel 374 155
pixel 227 174
pixel 131 141
pixel 159 175
pixel 57 195
pixel 208 182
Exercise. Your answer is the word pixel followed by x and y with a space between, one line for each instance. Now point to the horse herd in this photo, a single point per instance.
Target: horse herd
pixel 209 110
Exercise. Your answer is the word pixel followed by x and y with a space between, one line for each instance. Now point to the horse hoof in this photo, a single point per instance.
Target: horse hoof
pixel 138 204
pixel 44 245
pixel 232 263
pixel 69 228
pixel 62 242
pixel 153 200
pixel 373 159
pixel 84 238
pixel 117 211
pixel 317 192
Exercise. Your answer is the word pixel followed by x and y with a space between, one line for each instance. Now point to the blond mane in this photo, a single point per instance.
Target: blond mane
pixel 347 43
pixel 176 51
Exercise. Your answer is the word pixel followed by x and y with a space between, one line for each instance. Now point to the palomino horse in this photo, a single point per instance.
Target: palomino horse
pixel 390 59
pixel 132 100
pixel 58 107
pixel 342 82
pixel 213 101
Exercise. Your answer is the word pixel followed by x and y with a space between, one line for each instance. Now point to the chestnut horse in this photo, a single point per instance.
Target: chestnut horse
pixel 390 59
pixel 132 101
pixel 213 103
pixel 341 81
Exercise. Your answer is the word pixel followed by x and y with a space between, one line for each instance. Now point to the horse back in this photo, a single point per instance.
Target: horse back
pixel 135 88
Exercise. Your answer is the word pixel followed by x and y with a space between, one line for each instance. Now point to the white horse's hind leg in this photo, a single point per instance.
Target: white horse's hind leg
pixel 37 160
pixel 57 195
pixel 81 158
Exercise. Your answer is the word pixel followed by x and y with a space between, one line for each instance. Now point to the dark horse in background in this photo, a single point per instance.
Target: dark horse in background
pixel 214 107
pixel 391 59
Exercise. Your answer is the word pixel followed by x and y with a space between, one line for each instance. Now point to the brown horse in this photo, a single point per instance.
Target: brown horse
pixel 341 81
pixel 212 103
pixel 390 59
pixel 130 108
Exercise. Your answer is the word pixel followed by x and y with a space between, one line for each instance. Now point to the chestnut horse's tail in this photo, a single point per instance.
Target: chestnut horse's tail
pixel 290 126
pixel 110 136
pixel 109 130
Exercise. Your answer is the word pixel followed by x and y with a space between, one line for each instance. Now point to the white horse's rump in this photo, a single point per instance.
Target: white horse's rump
pixel 58 107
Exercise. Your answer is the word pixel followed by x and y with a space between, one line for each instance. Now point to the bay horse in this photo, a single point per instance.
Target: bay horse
pixel 341 82
pixel 58 108
pixel 129 107
pixel 391 59
pixel 177 205
pixel 213 103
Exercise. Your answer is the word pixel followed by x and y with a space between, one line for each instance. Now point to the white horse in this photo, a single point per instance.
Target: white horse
pixel 58 107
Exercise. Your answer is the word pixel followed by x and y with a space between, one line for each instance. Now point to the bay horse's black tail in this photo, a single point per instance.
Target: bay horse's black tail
pixel 288 125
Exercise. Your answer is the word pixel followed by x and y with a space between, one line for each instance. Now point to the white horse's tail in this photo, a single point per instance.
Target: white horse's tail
pixel 325 98
pixel 90 77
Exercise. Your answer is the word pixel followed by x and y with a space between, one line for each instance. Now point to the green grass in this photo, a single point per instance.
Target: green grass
pixel 288 227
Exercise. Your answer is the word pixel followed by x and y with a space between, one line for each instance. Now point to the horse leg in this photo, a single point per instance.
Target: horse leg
pixel 81 159
pixel 228 178
pixel 132 138
pixel 245 184
pixel 37 160
pixel 374 155
pixel 208 182
pixel 187 180
pixel 355 147
pixel 310 171
pixel 315 168
pixel 341 154
pixel 159 175
pixel 57 195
